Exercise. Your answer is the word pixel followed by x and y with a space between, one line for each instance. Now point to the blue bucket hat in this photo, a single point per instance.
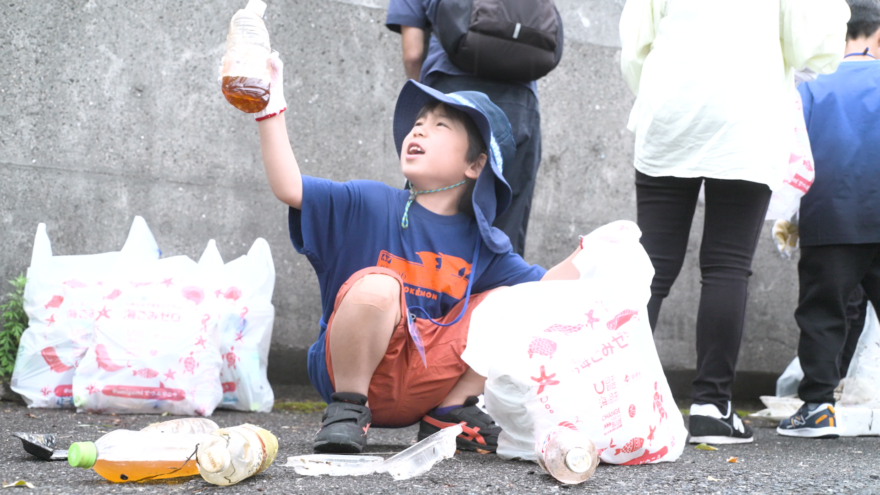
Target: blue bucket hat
pixel 491 192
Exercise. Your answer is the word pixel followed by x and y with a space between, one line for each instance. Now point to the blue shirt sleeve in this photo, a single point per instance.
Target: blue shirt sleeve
pixel 406 13
pixel 318 229
pixel 506 270
pixel 329 209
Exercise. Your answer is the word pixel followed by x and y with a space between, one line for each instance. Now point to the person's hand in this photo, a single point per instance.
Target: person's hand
pixel 277 103
pixel 786 236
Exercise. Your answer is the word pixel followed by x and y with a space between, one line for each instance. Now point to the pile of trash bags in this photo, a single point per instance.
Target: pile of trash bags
pixel 131 332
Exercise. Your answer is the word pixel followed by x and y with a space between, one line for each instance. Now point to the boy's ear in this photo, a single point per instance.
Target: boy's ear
pixel 474 169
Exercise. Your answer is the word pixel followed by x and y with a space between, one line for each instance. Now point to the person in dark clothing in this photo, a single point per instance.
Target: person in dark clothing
pixel 413 19
pixel 839 218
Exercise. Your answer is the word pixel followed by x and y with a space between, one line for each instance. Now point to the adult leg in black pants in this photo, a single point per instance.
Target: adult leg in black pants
pixel 734 217
pixel 520 105
pixel 828 275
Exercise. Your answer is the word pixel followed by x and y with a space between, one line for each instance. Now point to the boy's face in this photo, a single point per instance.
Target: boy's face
pixel 434 154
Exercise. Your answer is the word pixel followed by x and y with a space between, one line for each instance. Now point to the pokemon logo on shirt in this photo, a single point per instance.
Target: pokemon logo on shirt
pixel 440 273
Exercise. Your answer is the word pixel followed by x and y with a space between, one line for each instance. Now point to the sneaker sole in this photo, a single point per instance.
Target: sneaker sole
pixel 338 445
pixel 720 440
pixel 818 433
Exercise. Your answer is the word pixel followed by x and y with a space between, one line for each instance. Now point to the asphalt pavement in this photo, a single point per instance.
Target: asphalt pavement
pixel 770 465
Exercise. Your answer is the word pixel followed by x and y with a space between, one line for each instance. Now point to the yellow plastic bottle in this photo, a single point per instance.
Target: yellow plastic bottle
pixel 125 456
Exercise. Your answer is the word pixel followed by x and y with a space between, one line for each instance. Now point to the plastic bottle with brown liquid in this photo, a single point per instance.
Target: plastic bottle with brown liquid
pixel 245 70
pixel 123 456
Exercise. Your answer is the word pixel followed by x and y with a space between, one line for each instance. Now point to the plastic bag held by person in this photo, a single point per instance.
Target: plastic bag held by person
pixel 156 346
pixel 579 353
pixel 242 290
pixel 60 299
pixel 796 176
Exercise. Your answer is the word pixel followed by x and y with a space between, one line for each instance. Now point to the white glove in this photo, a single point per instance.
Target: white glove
pixel 785 234
pixel 277 103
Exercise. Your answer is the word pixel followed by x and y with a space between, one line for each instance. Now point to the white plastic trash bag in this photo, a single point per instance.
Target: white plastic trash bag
pixel 242 290
pixel 795 177
pixel 790 379
pixel 579 354
pixel 862 387
pixel 156 346
pixel 60 297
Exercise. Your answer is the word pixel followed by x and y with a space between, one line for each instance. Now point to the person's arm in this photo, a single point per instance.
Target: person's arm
pixel 278 160
pixel 813 33
pixel 565 270
pixel 638 24
pixel 282 170
pixel 413 41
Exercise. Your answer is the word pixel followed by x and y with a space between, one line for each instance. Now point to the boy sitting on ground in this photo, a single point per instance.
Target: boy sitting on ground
pixel 839 217
pixel 402 271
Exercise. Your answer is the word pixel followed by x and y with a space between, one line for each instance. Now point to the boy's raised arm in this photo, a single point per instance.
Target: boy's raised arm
pixel 282 170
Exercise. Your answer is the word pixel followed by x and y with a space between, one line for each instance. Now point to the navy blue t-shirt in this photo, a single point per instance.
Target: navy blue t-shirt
pixel 842 111
pixel 423 14
pixel 344 227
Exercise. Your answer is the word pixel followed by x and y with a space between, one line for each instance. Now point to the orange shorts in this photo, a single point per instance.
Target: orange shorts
pixel 403 390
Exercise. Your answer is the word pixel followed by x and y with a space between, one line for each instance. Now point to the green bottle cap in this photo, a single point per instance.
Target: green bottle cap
pixel 82 454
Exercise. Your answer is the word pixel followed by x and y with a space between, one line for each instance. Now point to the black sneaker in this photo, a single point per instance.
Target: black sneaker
pixel 708 425
pixel 479 431
pixel 816 422
pixel 344 425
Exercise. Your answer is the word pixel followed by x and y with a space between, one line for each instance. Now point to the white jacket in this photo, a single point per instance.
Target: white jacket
pixel 714 80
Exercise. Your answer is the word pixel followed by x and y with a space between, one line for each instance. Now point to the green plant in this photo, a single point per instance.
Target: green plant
pixel 15 321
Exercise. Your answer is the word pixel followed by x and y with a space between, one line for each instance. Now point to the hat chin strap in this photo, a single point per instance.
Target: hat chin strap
pixel 404 222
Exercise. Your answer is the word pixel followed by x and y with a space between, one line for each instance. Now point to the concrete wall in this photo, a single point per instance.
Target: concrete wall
pixel 112 109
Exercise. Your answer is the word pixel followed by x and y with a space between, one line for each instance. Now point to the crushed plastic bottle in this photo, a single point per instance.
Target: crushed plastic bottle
pixel 419 458
pixel 233 454
pixel 567 454
pixel 412 462
pixel 124 456
pixel 190 426
pixel 245 71
pixel 334 465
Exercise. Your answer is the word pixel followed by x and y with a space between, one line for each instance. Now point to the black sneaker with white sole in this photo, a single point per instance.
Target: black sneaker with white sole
pixel 811 421
pixel 479 431
pixel 344 425
pixel 708 425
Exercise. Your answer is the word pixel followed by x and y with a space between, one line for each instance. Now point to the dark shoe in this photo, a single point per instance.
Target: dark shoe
pixel 344 425
pixel 479 431
pixel 708 425
pixel 819 422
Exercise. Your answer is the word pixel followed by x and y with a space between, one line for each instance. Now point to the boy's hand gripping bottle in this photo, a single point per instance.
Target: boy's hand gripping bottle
pixel 233 454
pixel 245 70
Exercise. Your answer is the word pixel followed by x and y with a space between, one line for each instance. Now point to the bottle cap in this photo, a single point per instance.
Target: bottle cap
pixel 578 460
pixel 257 7
pixel 214 458
pixel 82 454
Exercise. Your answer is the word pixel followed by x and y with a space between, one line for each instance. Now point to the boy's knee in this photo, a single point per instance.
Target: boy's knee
pixel 377 290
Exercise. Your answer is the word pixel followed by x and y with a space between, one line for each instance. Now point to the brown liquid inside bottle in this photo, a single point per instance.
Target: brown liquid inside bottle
pixel 125 471
pixel 248 94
